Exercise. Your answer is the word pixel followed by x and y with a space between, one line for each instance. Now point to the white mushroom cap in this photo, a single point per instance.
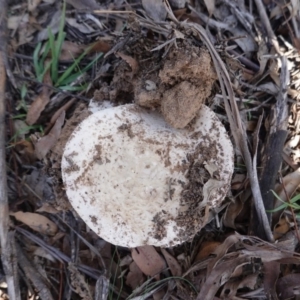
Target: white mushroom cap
pixel 136 181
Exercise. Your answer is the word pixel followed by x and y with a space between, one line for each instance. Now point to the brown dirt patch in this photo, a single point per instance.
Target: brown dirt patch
pixel 178 84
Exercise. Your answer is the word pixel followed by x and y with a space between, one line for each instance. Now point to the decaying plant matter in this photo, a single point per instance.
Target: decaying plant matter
pixel 239 58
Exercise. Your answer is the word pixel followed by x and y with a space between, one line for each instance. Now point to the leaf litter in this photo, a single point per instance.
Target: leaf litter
pixel 160 54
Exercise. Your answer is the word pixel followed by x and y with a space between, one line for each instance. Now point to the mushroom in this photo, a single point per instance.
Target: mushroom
pixel 137 181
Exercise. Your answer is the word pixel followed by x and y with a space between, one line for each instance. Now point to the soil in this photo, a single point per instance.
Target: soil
pixel 178 84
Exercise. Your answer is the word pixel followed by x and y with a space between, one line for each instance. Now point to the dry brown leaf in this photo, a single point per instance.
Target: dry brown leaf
pixel 42 252
pixel 249 281
pixel 220 275
pixel 14 22
pixel 158 295
pixel 125 261
pixel 70 50
pixel 40 102
pixel 173 264
pixel 285 286
pixel 238 181
pixel 79 283
pixel 36 222
pixel 131 62
pixel 86 5
pixel 231 213
pixel 178 3
pixel 46 207
pixel 266 253
pixel 271 272
pixel 222 249
pixel 288 187
pixel 229 290
pixel 100 46
pixel 281 228
pixel 207 248
pixel 148 260
pixel 155 9
pixel 48 141
pixel 290 183
pixel 296 43
pixel 276 12
pixel 210 5
pixel 26 151
pixel 135 276
pixel 56 115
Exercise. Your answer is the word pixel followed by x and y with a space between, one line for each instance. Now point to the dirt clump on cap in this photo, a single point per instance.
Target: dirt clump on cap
pixel 177 84
pixel 188 77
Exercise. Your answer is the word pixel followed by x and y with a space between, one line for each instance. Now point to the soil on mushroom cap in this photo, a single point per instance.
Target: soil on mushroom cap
pixel 179 83
pixel 191 195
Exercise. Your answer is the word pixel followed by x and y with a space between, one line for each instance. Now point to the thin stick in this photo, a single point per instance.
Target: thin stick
pixel 265 20
pixel 5 238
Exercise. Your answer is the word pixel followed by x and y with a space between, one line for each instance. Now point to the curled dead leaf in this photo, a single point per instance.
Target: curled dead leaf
pixel 155 9
pixel 281 227
pixel 36 222
pixel 48 141
pixel 271 272
pixel 40 102
pixel 148 260
pixel 131 62
pixel 210 5
pixel 207 248
pixel 85 5
pixel 135 276
pixel 100 46
pixel 173 264
pixel 26 151
pixel 285 286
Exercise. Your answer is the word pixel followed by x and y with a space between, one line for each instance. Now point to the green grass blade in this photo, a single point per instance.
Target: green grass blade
pixel 295 198
pixel 88 66
pixel 69 71
pixel 61 34
pixel 20 116
pixel 23 91
pixel 46 52
pixel 281 207
pixel 74 88
pixel 47 67
pixel 73 77
pixel 54 71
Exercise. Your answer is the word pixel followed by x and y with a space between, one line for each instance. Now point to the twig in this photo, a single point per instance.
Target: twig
pixel 245 61
pixel 6 239
pixel 33 275
pixel 277 134
pixel 265 20
pixel 209 21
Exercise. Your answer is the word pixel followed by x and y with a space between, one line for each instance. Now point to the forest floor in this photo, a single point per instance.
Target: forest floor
pixel 239 58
